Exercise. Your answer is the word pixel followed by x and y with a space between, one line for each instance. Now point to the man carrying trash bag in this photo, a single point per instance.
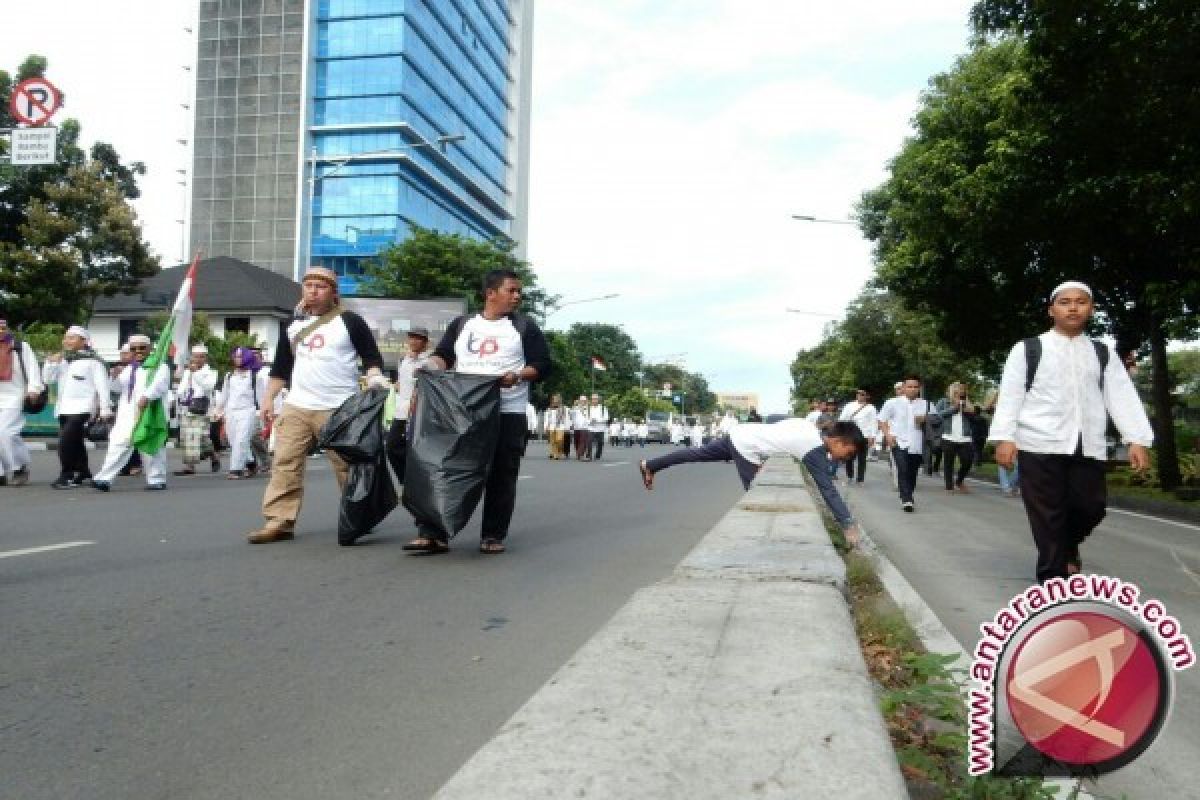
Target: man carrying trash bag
pixel 503 347
pixel 355 432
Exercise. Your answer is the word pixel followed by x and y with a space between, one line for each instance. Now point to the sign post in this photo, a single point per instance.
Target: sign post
pixel 34 101
pixel 33 146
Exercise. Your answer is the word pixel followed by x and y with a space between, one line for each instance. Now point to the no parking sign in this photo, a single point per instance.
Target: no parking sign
pixel 34 101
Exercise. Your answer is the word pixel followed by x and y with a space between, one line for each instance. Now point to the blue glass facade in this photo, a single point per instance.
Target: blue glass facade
pixel 387 79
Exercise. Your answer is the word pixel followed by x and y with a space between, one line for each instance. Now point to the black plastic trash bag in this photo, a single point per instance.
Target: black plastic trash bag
pixel 368 498
pixel 452 439
pixel 355 430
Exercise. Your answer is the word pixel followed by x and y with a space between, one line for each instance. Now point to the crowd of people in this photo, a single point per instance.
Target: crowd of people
pixel 1047 418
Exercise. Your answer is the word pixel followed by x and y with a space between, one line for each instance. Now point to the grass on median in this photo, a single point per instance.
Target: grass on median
pixel 920 696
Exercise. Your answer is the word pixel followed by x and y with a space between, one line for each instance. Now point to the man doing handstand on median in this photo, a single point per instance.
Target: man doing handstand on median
pixel 750 444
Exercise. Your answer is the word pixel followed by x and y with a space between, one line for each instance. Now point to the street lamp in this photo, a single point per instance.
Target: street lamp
pixel 811 218
pixel 561 306
pixel 339 163
pixel 811 313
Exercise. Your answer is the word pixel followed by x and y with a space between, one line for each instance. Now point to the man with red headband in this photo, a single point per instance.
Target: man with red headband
pixel 318 360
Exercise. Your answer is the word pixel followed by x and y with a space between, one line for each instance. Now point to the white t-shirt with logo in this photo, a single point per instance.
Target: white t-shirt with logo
pixel 493 347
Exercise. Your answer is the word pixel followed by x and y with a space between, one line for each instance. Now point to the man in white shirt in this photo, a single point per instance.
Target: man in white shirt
pixel 901 421
pixel 497 341
pixel 416 356
pixel 750 444
pixel 20 381
pixel 137 391
pixel 317 359
pixel 82 379
pixel 197 383
pixel 863 414
pixel 1055 398
pixel 598 426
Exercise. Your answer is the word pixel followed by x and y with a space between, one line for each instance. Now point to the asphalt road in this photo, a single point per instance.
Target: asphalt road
pixel 968 555
pixel 166 658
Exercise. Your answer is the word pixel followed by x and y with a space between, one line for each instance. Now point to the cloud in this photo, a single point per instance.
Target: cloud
pixel 672 142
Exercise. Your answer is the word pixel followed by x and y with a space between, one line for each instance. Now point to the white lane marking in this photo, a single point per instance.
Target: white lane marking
pixel 31 550
pixel 1186 570
pixel 524 477
pixel 616 464
pixel 1112 510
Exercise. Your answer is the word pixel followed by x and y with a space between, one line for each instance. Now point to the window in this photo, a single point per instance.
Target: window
pixel 237 324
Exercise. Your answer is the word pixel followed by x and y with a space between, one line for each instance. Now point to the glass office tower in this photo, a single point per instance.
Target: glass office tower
pixel 385 113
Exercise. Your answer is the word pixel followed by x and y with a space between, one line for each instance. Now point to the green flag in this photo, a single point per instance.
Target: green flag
pixel 150 432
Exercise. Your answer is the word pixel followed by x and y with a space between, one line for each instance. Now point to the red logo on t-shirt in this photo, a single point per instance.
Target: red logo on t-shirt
pixel 314 342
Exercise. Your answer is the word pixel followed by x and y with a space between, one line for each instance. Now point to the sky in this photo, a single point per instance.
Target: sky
pixel 672 141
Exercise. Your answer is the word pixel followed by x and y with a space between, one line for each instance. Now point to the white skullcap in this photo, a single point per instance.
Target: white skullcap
pixel 78 330
pixel 139 338
pixel 199 350
pixel 1062 287
pixel 125 348
pixel 899 385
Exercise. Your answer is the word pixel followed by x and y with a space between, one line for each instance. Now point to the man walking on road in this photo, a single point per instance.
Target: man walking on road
pixel 901 421
pixel 864 415
pixel 20 381
pixel 137 392
pixel 1056 394
pixel 197 384
pixel 598 425
pixel 501 342
pixel 318 360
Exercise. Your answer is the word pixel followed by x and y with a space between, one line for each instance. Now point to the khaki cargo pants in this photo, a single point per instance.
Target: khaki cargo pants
pixel 296 432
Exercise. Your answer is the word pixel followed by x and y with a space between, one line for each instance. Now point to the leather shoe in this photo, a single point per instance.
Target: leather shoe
pixel 268 535
pixel 100 486
pixel 156 487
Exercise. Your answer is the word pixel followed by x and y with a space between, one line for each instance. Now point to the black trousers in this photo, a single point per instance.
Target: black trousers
pixel 719 449
pixel 500 494
pixel 965 453
pixel 72 452
pixel 397 447
pixel 596 448
pixel 1065 499
pixel 859 460
pixel 907 466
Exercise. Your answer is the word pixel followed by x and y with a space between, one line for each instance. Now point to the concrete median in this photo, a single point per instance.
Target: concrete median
pixel 737 676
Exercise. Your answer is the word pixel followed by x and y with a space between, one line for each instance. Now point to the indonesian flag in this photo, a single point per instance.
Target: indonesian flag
pixel 598 364
pixel 150 432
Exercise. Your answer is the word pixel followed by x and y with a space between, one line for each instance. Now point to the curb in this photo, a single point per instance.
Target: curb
pixel 934 635
pixel 738 675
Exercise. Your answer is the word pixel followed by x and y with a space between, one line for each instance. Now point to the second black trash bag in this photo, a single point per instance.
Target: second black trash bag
pixel 355 430
pixel 452 439
pixel 368 498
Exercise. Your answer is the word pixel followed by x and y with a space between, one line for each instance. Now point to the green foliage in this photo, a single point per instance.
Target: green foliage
pixel 44 337
pixel 569 377
pixel 692 387
pixel 220 350
pixel 879 339
pixel 615 347
pixel 634 403
pixel 431 264
pixel 67 231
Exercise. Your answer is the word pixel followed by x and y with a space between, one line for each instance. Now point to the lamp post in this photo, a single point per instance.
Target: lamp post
pixel 339 163
pixel 811 218
pixel 561 306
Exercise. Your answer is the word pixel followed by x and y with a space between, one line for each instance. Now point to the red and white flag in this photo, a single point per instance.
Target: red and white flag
pixel 181 314
pixel 598 364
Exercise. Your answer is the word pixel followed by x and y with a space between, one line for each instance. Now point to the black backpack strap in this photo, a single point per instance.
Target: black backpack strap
pixel 1102 357
pixel 1033 355
pixel 254 387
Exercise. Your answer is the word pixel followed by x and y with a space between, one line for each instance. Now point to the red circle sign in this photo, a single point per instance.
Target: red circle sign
pixel 34 101
pixel 1087 690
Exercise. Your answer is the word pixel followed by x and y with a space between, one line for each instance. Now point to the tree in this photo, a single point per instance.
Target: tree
pixel 1065 146
pixel 695 396
pixel 67 231
pixel 614 347
pixel 568 378
pixel 432 264
pixel 220 350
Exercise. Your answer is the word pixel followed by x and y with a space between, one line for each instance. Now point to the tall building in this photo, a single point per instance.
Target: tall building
pixel 326 128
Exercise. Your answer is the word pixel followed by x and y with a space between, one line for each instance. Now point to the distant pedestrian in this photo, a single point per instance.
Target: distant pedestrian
pixel 82 378
pixel 197 386
pixel 501 342
pixel 554 421
pixel 20 384
pixel 240 403
pixel 753 416
pixel 581 432
pixel 318 360
pixel 598 427
pixel 642 433
pixel 748 446
pixel 901 420
pixel 133 466
pixel 139 390
pixel 862 413
pixel 1056 395
pixel 959 417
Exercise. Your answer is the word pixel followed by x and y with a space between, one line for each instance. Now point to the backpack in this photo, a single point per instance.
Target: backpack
pixel 1033 356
